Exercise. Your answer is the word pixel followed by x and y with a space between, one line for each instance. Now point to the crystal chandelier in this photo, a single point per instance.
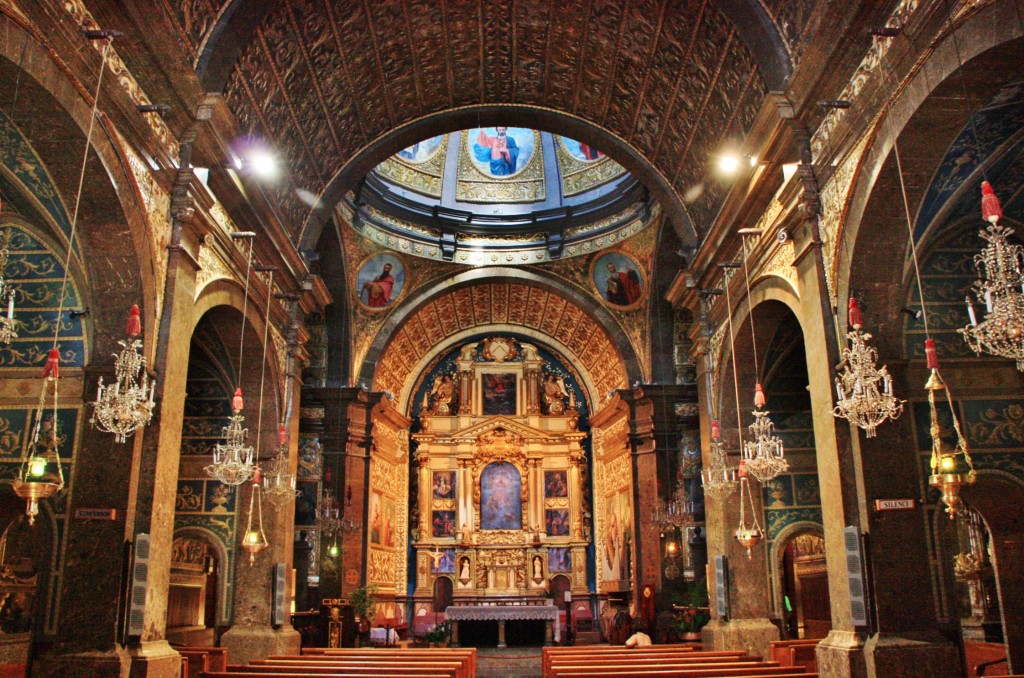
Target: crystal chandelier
pixel 279 484
pixel 8 325
pixel 127 405
pixel 860 400
pixel 348 523
pixel 41 474
pixel 1000 287
pixel 718 478
pixel 763 455
pixel 951 468
pixel 328 514
pixel 234 460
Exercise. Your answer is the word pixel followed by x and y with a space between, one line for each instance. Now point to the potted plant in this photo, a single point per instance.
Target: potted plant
pixel 438 636
pixel 362 600
pixel 693 614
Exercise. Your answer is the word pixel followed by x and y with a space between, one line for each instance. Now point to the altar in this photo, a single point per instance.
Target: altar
pixel 501 614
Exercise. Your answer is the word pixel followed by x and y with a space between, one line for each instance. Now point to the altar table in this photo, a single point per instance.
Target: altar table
pixel 501 614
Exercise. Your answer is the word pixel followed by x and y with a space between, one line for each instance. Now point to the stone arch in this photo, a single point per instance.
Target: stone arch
pixel 391 353
pixel 226 562
pixel 126 271
pixel 867 219
pixel 776 549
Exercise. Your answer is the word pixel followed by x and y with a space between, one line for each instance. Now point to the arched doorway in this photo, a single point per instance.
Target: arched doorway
pixel 803 579
pixel 443 588
pixel 196 584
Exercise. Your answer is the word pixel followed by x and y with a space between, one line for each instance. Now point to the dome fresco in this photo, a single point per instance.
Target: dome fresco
pixel 514 190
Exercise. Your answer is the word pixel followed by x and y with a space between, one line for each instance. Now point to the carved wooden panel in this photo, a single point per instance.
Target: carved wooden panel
pixel 323 78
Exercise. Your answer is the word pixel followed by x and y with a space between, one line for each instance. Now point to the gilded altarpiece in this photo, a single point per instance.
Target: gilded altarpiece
pixel 501 471
pixel 387 522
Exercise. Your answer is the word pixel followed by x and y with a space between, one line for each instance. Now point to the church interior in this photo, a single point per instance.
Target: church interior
pixel 519 328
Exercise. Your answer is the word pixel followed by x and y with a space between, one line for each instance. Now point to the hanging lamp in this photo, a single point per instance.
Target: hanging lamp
pixel 41 473
pixel 125 406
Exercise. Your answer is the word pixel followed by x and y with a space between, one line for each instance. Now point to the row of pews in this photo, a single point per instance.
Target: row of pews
pixel 680 661
pixel 353 663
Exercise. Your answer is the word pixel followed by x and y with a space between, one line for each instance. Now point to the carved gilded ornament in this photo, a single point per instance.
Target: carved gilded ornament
pixel 780 265
pixel 835 202
pixel 578 175
pixel 871 61
pixel 83 18
pixel 500 349
pixel 422 177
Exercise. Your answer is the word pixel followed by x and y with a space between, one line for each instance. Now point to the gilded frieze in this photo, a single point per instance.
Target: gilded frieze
pixel 835 201
pixel 579 176
pixel 422 177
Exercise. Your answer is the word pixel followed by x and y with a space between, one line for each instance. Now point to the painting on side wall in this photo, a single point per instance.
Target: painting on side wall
pixel 555 484
pixel 556 522
pixel 617 533
pixel 617 279
pixel 444 484
pixel 375 518
pixel 380 280
pixel 499 393
pixel 501 501
pixel 443 524
pixel 559 559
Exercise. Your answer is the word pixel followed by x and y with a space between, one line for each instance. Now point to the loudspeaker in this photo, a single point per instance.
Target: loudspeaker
pixel 278 608
pixel 722 587
pixel 140 582
pixel 855 575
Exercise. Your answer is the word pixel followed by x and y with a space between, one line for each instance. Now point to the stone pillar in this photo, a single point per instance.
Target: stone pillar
pixel 646 544
pixel 139 480
pixel 747 626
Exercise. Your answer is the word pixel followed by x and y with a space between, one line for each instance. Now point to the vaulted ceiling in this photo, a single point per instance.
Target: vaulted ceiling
pixel 660 84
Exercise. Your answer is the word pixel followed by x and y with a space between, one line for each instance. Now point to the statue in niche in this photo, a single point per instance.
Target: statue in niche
pixel 538 568
pixel 554 394
pixel 441 395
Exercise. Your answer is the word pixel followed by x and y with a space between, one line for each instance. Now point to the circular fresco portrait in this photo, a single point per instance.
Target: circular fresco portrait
pixel 618 279
pixel 501 151
pixel 380 280
pixel 580 151
pixel 421 151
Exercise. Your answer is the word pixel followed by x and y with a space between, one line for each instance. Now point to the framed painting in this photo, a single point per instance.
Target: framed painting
pixel 618 280
pixel 444 563
pixel 555 484
pixel 501 152
pixel 421 151
pixel 498 393
pixel 560 559
pixel 444 485
pixel 443 524
pixel 556 522
pixel 501 500
pixel 380 280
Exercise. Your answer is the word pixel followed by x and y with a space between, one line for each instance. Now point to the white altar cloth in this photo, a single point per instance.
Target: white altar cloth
pixel 504 613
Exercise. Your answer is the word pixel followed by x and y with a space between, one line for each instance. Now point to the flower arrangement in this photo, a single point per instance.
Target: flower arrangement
pixel 438 634
pixel 692 619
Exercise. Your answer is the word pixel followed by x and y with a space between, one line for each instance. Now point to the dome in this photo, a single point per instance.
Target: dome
pixel 499 195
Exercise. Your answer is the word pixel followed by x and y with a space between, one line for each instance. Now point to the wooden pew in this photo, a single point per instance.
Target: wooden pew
pixel 613 653
pixel 217 656
pixel 675 672
pixel 780 649
pixel 338 674
pixel 457 669
pixel 354 669
pixel 467 654
pixel 197 660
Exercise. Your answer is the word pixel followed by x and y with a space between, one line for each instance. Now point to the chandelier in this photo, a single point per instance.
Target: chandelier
pixel 718 478
pixel 860 400
pixel 8 325
pixel 234 459
pixel 328 514
pixel 999 288
pixel 763 455
pixel 127 405
pixel 279 483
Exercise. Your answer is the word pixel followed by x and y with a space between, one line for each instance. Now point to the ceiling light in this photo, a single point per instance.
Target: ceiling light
pixel 728 163
pixel 263 164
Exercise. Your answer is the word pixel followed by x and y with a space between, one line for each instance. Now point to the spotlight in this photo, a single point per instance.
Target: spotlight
pixel 263 164
pixel 728 163
pixel 752 160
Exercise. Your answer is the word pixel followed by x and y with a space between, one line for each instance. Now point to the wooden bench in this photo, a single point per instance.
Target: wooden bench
pixel 458 669
pixel 753 672
pixel 216 657
pixel 551 656
pixel 449 670
pixel 320 654
pixel 338 674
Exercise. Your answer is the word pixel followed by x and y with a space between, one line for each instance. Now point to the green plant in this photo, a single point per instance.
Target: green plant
pixel 439 633
pixel 362 600
pixel 692 619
